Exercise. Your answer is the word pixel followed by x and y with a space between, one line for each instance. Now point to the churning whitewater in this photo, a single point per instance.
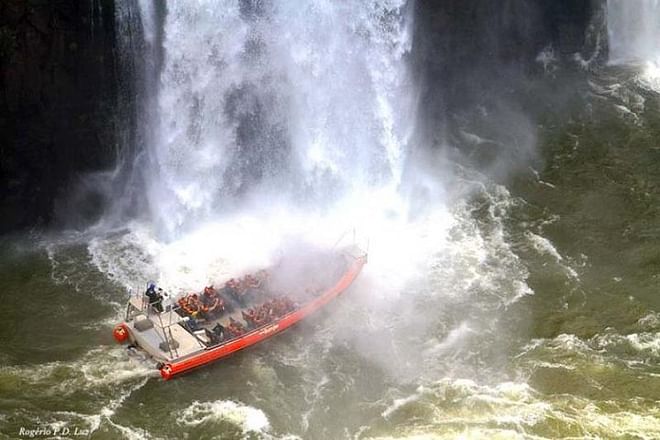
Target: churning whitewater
pixel 298 126
pixel 634 32
pixel 488 309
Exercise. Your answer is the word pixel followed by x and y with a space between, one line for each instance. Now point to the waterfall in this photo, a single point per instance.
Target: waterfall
pixel 302 99
pixel 634 30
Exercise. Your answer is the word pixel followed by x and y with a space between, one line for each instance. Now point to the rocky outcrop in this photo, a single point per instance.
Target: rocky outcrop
pixel 57 102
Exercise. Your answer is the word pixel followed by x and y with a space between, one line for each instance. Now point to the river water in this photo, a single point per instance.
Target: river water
pixel 523 308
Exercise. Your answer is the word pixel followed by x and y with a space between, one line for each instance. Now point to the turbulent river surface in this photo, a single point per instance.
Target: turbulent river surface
pixel 525 308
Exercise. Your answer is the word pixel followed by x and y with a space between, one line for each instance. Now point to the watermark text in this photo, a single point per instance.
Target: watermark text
pixel 52 431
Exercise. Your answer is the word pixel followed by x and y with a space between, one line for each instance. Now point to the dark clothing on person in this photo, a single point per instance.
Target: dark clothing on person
pixel 155 298
pixel 218 333
pixel 192 325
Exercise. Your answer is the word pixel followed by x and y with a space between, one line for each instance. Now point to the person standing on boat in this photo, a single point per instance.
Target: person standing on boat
pixel 155 298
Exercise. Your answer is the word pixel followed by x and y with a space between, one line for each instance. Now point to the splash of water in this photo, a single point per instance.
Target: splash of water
pixel 634 35
pixel 304 100
pixel 634 30
pixel 296 126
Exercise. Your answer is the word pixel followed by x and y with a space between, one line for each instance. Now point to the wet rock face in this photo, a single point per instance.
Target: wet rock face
pixel 472 54
pixel 57 98
pixel 487 69
pixel 469 42
pixel 506 30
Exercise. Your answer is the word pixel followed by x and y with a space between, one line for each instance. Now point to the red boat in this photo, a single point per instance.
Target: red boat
pixel 196 329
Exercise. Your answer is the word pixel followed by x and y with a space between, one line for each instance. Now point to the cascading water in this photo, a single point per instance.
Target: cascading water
pixel 294 98
pixel 634 36
pixel 294 120
pixel 277 120
pixel 267 123
pixel 634 30
pixel 281 120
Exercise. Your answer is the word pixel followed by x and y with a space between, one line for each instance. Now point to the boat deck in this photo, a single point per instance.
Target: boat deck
pixel 161 328
pixel 169 336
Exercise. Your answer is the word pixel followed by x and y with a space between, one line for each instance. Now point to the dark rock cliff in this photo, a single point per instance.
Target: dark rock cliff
pixel 479 63
pixel 57 102
pixel 461 46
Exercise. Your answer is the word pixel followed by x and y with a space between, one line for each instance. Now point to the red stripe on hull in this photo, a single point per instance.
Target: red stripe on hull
pixel 172 369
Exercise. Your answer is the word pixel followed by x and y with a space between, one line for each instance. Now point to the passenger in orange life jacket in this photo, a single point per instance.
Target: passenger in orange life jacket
pixel 195 304
pixel 211 303
pixel 189 304
pixel 250 318
pixel 235 323
pixel 235 328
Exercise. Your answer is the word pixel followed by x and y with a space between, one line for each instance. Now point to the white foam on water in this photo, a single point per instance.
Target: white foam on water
pixel 247 418
pixel 99 368
pixel 560 345
pixel 311 398
pixel 107 374
pixel 601 347
pixel 465 409
pixel 108 322
pixel 398 247
pixel 321 50
pixel 398 403
pixel 649 322
pixel 467 257
pixel 454 338
pixel 510 406
pixel 456 434
pixel 545 247
pixel 333 80
pixel 130 433
pixel 650 77
pixel 66 265
pixel 626 112
pixel 479 257
pixel 126 257
pixel 642 343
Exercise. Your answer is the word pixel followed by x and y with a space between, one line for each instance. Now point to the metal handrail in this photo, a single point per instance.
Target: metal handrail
pixel 145 306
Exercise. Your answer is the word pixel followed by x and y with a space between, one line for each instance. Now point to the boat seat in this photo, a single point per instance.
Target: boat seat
pixel 202 336
pixel 142 323
pixel 170 344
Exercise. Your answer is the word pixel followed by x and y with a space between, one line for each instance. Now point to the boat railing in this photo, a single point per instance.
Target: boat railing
pixel 164 330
